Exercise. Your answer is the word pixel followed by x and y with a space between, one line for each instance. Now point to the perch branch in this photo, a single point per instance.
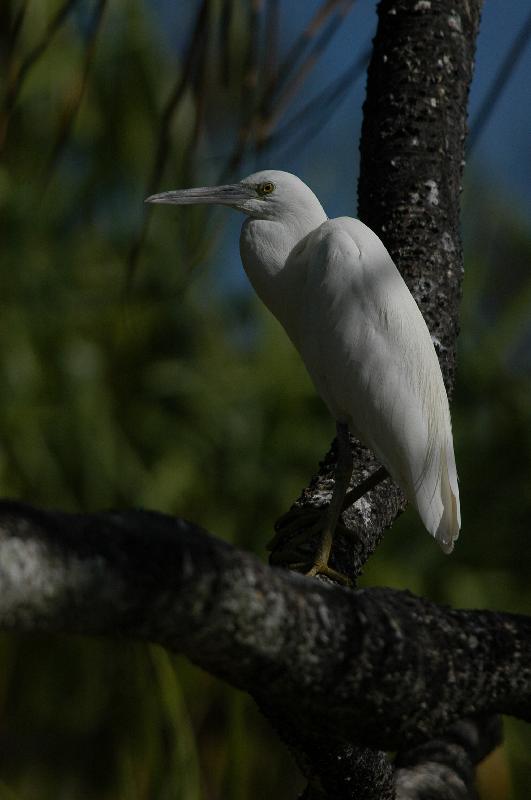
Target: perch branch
pixel 376 667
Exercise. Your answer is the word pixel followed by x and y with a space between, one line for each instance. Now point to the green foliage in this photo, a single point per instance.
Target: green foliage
pixel 180 397
pixel 151 396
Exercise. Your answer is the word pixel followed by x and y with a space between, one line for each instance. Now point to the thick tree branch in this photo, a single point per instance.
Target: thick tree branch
pixel 375 667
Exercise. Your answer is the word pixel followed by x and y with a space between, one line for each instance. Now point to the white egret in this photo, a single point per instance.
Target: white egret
pixel 335 289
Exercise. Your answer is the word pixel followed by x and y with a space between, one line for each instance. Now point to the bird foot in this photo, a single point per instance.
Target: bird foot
pixel 300 525
pixel 320 568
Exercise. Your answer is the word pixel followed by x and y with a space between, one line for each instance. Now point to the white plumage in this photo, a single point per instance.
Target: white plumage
pixel 343 303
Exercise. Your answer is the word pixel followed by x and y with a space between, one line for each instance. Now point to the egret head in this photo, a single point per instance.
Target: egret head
pixel 269 194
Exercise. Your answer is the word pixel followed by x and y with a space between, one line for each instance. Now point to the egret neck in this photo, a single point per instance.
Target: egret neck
pixel 265 245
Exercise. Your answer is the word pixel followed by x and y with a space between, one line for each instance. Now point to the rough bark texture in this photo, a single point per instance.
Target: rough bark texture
pixel 412 150
pixel 377 667
pixel 444 766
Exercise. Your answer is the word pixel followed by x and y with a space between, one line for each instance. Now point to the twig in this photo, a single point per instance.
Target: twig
pixel 286 91
pixel 36 52
pixel 17 77
pixel 163 143
pixel 15 29
pixel 294 54
pixel 270 57
pixel 225 21
pixel 248 103
pixel 257 120
pixel 320 109
pixel 74 103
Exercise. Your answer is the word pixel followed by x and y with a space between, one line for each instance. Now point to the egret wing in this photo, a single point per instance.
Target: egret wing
pixel 370 355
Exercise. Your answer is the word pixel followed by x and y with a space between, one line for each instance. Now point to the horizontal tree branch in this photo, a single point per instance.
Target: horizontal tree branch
pixel 375 667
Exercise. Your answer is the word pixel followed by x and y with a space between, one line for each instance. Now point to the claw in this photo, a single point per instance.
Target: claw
pixel 298 526
pixel 328 572
pixel 315 570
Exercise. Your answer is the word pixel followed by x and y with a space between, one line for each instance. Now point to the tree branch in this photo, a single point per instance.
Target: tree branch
pixel 444 767
pixel 375 667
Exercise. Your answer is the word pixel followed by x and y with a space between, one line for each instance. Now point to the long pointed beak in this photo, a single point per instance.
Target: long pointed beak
pixel 229 195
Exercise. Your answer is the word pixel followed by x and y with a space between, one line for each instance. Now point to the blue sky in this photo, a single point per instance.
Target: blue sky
pixel 501 157
pixel 502 154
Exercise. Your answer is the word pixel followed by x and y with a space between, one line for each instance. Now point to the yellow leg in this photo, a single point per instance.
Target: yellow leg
pixel 326 523
pixel 320 565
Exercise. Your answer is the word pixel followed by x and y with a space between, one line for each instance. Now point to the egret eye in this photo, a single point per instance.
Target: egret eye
pixel 266 188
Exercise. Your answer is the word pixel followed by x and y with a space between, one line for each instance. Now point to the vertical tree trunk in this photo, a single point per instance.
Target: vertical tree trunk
pixel 412 158
pixel 412 151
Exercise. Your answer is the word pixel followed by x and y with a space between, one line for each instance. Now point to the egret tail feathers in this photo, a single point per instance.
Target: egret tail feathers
pixel 450 522
pixel 437 500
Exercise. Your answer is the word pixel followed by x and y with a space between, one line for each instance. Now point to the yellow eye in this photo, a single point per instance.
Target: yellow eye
pixel 266 188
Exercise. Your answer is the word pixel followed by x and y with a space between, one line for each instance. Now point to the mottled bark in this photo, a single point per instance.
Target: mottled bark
pixel 444 767
pixel 377 667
